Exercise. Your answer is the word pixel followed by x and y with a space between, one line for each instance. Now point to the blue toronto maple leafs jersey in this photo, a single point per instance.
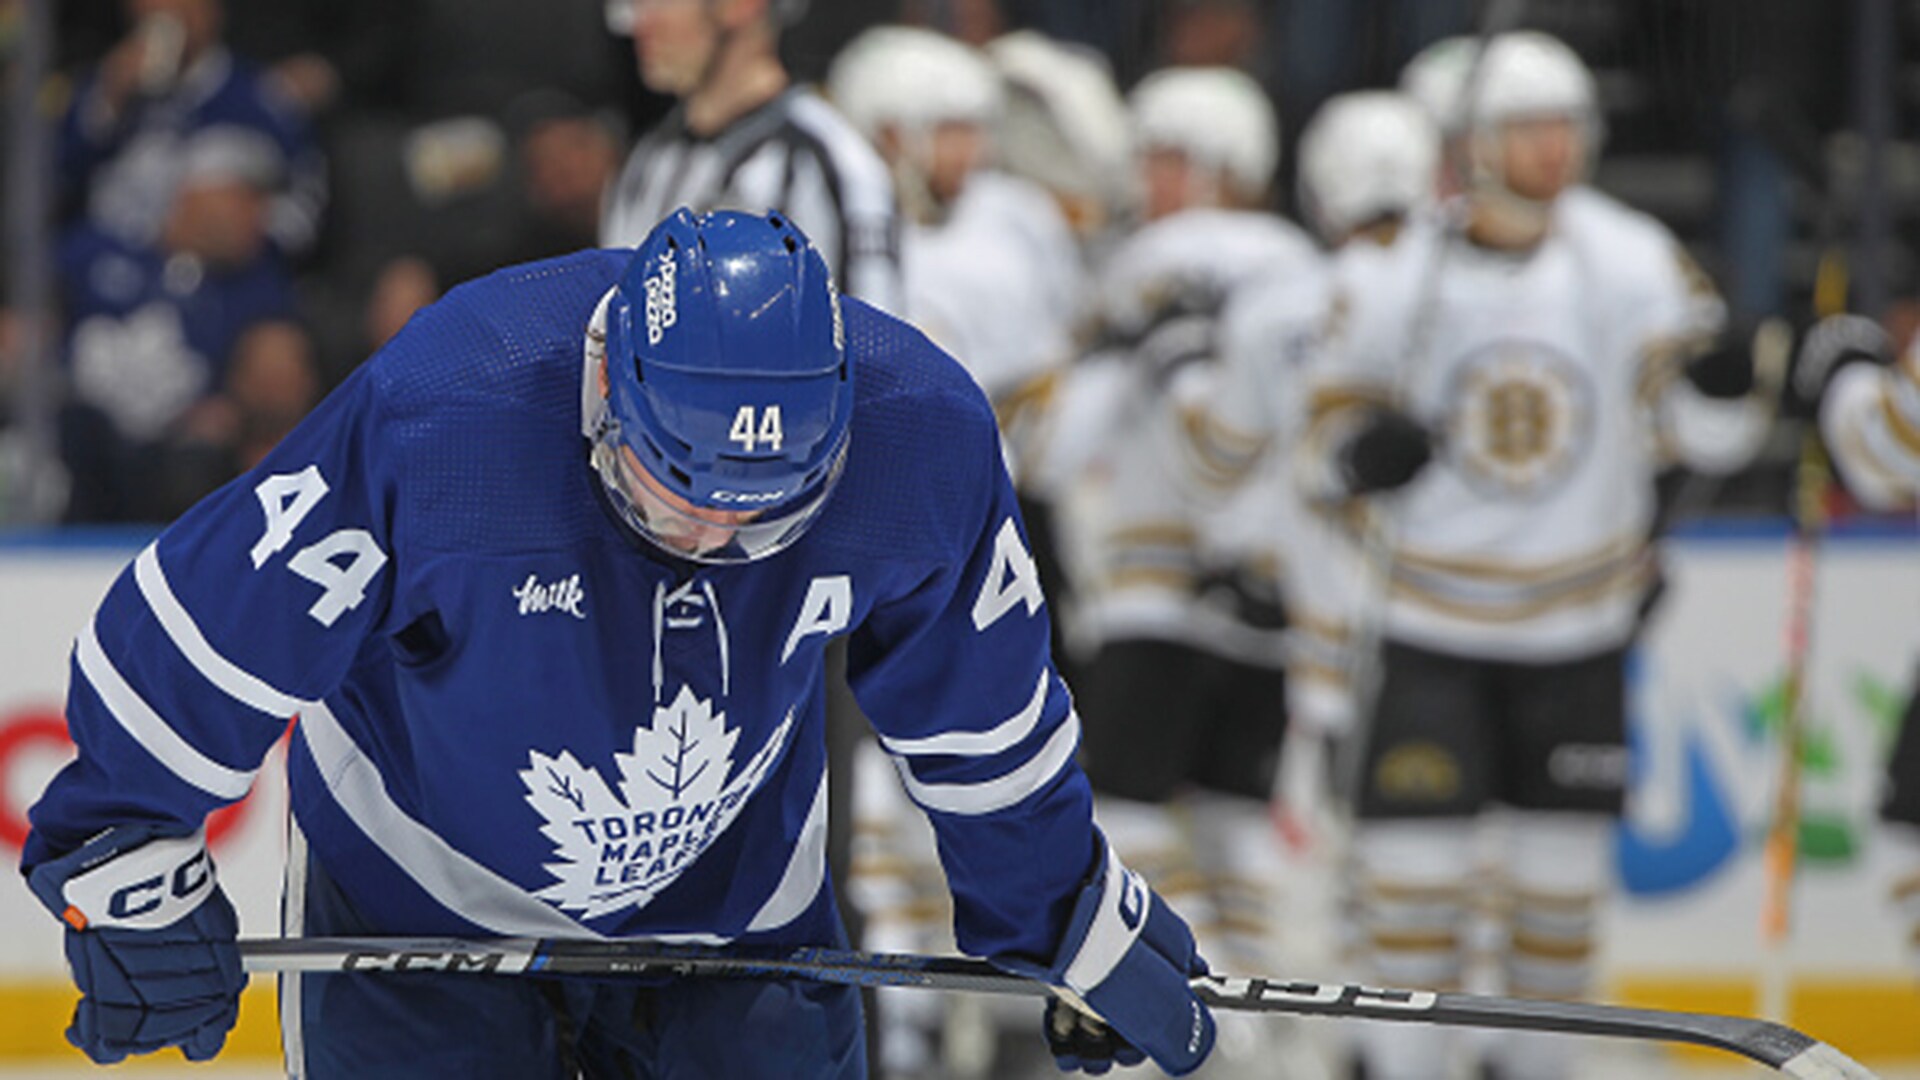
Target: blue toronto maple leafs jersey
pixel 514 718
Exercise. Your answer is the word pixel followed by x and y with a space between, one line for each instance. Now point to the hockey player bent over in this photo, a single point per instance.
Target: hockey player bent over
pixel 546 584
pixel 1547 362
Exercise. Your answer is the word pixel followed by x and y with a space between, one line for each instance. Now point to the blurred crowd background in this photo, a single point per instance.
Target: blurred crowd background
pixel 406 145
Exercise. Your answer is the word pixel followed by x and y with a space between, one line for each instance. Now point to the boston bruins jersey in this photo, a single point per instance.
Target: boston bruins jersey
pixel 1551 381
pixel 998 283
pixel 1247 441
pixel 1155 526
pixel 1870 418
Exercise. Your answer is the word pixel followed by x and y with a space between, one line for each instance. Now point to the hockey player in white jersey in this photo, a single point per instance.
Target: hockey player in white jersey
pixel 1367 162
pixel 1183 691
pixel 1869 415
pixel 991 267
pixel 546 584
pixel 1509 379
pixel 1436 78
pixel 1065 128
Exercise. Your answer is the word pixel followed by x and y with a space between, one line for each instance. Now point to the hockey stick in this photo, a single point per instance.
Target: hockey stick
pixel 1799 144
pixel 1774 1045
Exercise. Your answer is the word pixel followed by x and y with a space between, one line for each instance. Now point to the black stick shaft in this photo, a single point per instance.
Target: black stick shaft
pixel 1767 1043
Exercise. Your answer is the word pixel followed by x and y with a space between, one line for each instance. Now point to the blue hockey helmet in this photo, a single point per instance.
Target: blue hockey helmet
pixel 728 390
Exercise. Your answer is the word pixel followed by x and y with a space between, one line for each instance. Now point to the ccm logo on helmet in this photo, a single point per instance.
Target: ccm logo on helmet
pixel 748 496
pixel 662 310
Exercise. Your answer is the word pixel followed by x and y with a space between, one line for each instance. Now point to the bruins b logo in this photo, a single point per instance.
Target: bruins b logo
pixel 1521 418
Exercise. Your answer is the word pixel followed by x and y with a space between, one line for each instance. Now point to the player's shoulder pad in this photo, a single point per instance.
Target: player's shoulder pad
pixel 502 336
pixel 923 454
pixel 1015 203
pixel 893 360
pixel 1620 235
pixel 1390 274
pixel 1294 294
pixel 1214 251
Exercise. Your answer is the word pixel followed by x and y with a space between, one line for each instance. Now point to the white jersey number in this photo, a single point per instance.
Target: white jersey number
pixel 286 499
pixel 1013 579
pixel 749 433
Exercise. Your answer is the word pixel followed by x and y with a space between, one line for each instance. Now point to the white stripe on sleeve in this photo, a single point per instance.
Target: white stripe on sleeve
pixel 1002 791
pixel 149 730
pixel 235 682
pixel 1001 737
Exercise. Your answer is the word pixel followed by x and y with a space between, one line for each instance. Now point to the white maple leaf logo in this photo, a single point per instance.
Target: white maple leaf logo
pixel 619 850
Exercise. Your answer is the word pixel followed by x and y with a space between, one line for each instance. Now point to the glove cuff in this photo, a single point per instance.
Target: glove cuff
pixel 1107 920
pixel 131 877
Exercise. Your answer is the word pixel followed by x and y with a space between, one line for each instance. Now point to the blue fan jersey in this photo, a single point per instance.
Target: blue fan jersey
pixel 514 718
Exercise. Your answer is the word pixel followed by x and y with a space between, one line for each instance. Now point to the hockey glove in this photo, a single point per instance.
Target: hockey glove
pixel 1128 957
pixel 1725 370
pixel 151 941
pixel 1388 450
pixel 1829 345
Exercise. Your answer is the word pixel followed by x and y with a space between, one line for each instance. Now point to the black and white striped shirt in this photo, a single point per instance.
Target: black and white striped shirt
pixel 794 154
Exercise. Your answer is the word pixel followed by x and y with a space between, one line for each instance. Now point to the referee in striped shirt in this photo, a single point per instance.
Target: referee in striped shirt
pixel 744 137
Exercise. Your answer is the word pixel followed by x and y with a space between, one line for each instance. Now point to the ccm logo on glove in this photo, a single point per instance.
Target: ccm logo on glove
pixel 1133 901
pixel 147 888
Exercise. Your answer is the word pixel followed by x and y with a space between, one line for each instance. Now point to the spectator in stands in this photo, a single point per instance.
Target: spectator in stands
pixel 402 287
pixel 1756 85
pixel 150 328
pixel 271 383
pixel 123 140
pixel 568 155
pixel 330 55
pixel 1212 33
pixel 975 22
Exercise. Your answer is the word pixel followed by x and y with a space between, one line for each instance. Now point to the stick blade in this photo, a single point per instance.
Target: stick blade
pixel 1823 1062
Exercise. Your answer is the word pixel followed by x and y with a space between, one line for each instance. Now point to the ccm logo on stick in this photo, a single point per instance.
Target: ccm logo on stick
pixel 420 961
pixel 1307 993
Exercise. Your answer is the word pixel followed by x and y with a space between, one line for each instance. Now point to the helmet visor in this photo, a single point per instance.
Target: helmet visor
pixel 703 534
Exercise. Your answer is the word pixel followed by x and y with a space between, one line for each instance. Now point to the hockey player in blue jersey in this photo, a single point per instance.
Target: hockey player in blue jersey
pixel 550 619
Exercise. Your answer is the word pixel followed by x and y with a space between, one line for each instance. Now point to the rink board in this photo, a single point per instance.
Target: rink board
pixel 1682 934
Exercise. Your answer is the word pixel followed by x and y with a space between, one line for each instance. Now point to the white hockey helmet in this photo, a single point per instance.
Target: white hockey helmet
pixel 912 79
pixel 1529 74
pixel 1065 125
pixel 1526 74
pixel 1434 78
pixel 1365 156
pixel 1218 117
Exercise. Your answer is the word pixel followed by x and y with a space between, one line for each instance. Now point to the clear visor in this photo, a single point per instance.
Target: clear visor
pixel 697 533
